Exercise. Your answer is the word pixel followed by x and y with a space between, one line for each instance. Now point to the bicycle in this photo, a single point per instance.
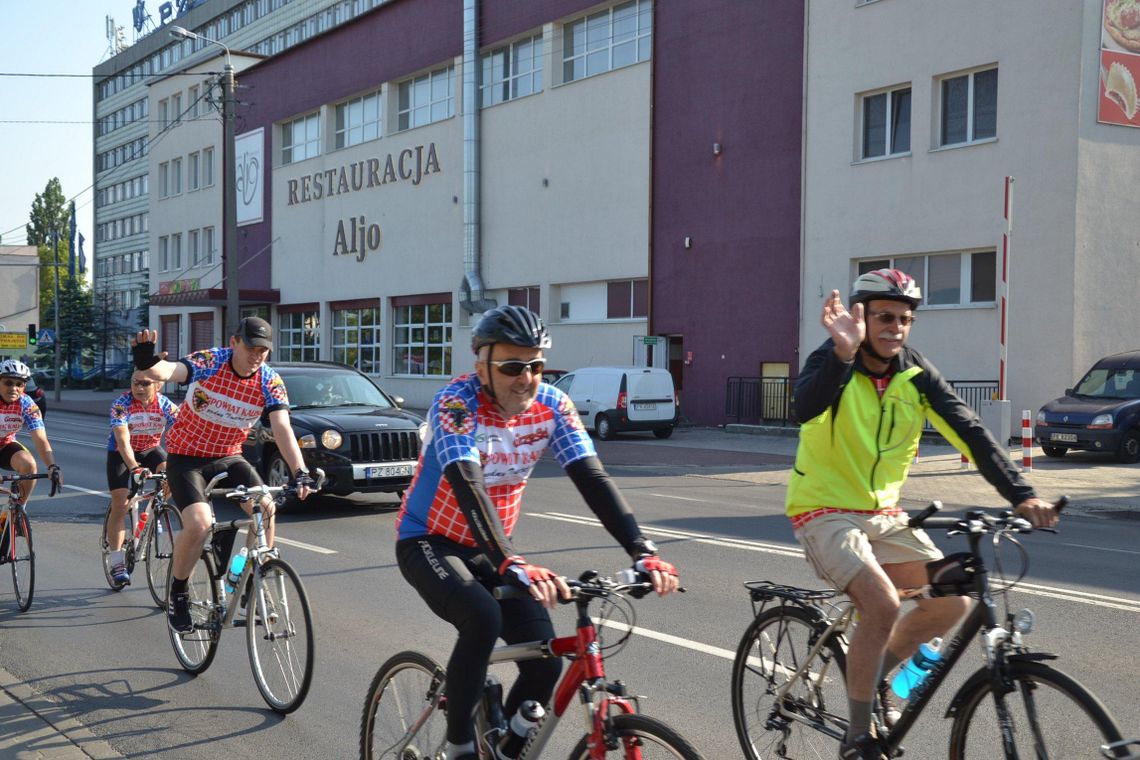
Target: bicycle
pixel 153 542
pixel 404 713
pixel 1111 750
pixel 789 695
pixel 16 541
pixel 279 624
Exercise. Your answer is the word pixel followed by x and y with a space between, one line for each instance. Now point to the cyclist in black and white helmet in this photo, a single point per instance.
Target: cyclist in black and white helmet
pixel 17 410
pixel 487 431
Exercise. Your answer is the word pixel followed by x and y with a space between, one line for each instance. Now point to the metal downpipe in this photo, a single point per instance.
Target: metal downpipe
pixel 472 296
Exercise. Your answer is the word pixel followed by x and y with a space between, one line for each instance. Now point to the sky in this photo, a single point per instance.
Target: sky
pixel 50 37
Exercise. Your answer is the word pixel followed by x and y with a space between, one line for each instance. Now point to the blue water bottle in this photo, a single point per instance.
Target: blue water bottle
pixel 914 670
pixel 237 564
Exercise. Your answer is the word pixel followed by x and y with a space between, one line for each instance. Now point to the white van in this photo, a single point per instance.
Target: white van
pixel 615 399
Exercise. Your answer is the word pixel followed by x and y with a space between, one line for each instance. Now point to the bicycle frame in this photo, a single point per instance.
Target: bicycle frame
pixel 259 553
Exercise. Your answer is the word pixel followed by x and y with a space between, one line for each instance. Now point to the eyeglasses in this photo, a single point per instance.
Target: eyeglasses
pixel 11 383
pixel 142 383
pixel 515 367
pixel 889 318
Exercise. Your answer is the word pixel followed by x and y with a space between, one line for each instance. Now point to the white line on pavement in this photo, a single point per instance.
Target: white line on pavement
pixel 682 498
pixel 302 545
pixel 669 639
pixel 1101 548
pixel 87 490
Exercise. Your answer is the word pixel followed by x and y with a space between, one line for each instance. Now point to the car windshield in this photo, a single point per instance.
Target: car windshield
pixel 1109 382
pixel 333 389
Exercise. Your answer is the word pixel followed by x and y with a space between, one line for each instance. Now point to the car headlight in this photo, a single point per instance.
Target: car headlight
pixel 1041 417
pixel 1101 422
pixel 307 441
pixel 423 430
pixel 331 439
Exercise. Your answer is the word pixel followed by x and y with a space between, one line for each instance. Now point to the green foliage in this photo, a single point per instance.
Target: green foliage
pixel 49 209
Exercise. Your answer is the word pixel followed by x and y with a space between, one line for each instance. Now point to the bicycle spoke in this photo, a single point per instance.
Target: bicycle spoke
pixel 280 636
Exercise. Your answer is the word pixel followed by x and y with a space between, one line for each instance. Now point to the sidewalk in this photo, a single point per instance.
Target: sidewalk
pixel 33 727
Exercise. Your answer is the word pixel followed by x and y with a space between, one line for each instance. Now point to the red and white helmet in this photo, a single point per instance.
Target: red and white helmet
pixel 888 284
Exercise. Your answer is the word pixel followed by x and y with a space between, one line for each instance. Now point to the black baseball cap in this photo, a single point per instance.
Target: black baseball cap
pixel 255 331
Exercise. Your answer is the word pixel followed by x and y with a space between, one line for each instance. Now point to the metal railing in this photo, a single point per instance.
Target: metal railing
pixel 768 400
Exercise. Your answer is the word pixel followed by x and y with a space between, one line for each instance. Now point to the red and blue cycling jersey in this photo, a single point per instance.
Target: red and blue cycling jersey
pixel 465 424
pixel 221 406
pixel 15 415
pixel 144 422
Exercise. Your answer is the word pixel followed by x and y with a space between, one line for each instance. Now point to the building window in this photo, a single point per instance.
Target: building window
pixel 947 279
pixel 356 338
pixel 607 40
pixel 300 139
pixel 164 180
pixel 298 336
pixel 626 299
pixel 192 175
pixel 192 243
pixel 207 245
pixel 176 176
pixel 207 167
pixel 512 72
pixel 422 339
pixel 969 107
pixel 193 107
pixel 426 99
pixel 176 107
pixel 358 120
pixel 886 123
pixel 176 251
pixel 525 297
pixel 164 254
pixel 163 113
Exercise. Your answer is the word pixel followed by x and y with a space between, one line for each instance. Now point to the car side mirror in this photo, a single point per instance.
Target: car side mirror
pixel 398 400
pixel 1068 391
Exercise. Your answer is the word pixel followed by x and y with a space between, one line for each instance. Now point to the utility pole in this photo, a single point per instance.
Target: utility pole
pixel 56 342
pixel 229 201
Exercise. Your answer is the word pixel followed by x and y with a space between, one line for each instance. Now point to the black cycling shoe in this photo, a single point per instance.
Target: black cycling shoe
pixel 178 615
pixel 862 747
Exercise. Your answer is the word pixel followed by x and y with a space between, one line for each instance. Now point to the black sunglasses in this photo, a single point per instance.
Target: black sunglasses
pixel 887 318
pixel 515 367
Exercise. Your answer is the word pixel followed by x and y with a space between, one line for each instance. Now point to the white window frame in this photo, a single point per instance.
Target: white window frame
pixel 921 274
pixel 208 167
pixel 192 94
pixel 163 254
pixel 192 248
pixel 176 251
pixel 294 151
pixel 353 124
pixel 298 336
pixel 350 334
pixel 406 321
pixel 207 245
pixel 502 74
pixel 888 147
pixel 176 176
pixel 596 56
pixel 971 120
pixel 193 176
pixel 425 99
pixel 164 180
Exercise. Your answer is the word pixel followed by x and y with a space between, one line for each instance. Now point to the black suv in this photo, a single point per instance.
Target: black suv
pixel 347 426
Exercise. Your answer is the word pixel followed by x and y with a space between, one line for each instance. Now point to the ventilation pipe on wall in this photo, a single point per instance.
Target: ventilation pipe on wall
pixel 473 299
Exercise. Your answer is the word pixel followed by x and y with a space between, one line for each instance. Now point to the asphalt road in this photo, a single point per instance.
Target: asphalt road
pixel 106 659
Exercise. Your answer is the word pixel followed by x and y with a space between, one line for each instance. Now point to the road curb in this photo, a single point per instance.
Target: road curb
pixel 50 735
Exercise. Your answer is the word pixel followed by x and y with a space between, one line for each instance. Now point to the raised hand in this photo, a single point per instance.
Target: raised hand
pixel 846 328
pixel 142 350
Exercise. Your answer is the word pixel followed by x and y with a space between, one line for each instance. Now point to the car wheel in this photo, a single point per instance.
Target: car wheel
pixel 1129 449
pixel 603 428
pixel 1054 452
pixel 663 432
pixel 277 471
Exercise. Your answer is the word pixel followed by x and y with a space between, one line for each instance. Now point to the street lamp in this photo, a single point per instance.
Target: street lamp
pixel 229 188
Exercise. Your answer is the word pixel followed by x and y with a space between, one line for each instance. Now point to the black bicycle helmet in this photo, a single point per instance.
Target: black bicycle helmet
pixel 888 284
pixel 510 324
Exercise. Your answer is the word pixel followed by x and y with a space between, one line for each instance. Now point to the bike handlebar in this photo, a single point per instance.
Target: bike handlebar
pixel 279 493
pixel 976 520
pixel 18 478
pixel 591 586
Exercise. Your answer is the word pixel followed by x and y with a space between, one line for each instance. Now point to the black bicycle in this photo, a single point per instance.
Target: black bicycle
pixel 789 694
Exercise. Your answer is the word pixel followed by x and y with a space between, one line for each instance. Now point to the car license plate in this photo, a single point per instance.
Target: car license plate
pixel 644 406
pixel 388 471
pixel 1063 437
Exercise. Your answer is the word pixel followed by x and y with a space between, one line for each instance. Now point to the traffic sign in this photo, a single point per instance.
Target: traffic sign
pixel 47 337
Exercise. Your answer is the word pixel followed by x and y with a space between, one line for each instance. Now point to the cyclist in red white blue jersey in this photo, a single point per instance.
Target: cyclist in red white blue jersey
pixel 17 411
pixel 138 419
pixel 487 430
pixel 229 389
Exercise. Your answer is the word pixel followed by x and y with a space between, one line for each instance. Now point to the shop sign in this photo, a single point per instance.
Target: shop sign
pixel 408 165
pixel 171 287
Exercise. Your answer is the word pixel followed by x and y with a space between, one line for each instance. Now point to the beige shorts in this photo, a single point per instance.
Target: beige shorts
pixel 840 544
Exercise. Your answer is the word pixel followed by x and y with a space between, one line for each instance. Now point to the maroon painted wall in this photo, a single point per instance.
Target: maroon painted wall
pixel 727 72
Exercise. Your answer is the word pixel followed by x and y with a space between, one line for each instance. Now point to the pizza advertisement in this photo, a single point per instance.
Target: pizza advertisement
pixel 1119 102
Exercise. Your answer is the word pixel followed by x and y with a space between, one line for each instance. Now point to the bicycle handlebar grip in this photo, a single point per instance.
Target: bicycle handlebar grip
pixel 1061 503
pixel 918 520
pixel 510 592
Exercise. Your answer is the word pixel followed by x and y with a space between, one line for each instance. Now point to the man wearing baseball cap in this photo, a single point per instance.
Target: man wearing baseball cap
pixel 229 388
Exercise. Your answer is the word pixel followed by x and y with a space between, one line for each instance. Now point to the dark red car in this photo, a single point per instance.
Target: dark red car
pixel 36 393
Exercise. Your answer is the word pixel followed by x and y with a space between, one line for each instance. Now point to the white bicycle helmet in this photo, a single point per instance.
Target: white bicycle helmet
pixel 15 368
pixel 889 284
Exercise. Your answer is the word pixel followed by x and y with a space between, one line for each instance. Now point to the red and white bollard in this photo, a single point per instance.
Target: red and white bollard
pixel 965 462
pixel 1026 441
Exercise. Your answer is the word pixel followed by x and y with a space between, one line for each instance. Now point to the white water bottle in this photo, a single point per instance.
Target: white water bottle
pixel 522 722
pixel 237 564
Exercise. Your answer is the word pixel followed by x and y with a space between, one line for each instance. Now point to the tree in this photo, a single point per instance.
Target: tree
pixel 49 209
pixel 47 278
pixel 75 325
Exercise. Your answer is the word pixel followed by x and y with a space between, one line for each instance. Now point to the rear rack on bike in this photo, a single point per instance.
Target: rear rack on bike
pixel 766 591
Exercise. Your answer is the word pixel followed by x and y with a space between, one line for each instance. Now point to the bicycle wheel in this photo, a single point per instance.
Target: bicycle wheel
pixel 642 737
pixel 128 554
pixel 404 714
pixel 1052 716
pixel 279 633
pixel 21 557
pixel 158 548
pixel 772 650
pixel 195 650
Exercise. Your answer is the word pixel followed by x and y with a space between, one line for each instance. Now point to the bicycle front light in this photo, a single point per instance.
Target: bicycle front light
pixel 1023 621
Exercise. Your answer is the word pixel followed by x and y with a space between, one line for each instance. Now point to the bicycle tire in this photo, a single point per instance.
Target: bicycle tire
pixel 1052 714
pixel 105 549
pixel 279 635
pixel 405 710
pixel 158 549
pixel 775 645
pixel 22 557
pixel 195 650
pixel 642 737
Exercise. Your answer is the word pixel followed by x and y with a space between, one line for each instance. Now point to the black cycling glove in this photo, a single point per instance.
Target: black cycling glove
pixel 301 479
pixel 144 356
pixel 56 479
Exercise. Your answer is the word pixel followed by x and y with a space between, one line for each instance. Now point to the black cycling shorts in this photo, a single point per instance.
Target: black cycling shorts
pixel 118 476
pixel 9 451
pixel 188 476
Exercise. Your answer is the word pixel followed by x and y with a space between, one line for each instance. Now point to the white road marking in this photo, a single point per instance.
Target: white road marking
pixel 302 545
pixel 62 439
pixel 1101 548
pixel 87 490
pixel 1053 592
pixel 682 498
